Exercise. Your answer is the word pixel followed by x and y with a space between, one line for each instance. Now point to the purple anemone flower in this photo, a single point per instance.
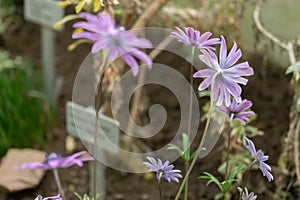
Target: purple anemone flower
pixel 261 158
pixel 192 37
pixel 101 30
pixel 39 197
pixel 224 75
pixel 55 160
pixel 238 111
pixel 163 170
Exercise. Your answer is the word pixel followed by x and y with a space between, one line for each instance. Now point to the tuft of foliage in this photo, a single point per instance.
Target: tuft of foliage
pixel 224 186
pixel 185 152
pixel 85 196
pixel 22 123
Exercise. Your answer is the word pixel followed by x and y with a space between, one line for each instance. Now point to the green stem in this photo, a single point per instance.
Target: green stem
pixel 191 94
pixel 98 102
pixel 228 150
pixel 159 189
pixel 95 165
pixel 246 177
pixel 186 188
pixel 197 151
pixel 58 183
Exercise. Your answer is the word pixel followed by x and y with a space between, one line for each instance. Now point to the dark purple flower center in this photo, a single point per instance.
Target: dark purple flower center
pixel 52 156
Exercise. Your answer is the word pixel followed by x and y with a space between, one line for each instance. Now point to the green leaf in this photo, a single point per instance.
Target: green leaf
pixel 174 147
pixel 194 154
pixel 186 147
pixel 204 93
pixel 80 6
pixel 226 186
pixel 235 171
pixel 78 195
pixel 64 20
pixel 228 183
pixel 212 179
pixel 293 68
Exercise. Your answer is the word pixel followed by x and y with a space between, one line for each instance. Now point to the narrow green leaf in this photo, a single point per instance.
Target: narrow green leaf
pixel 64 20
pixel 186 147
pixel 212 179
pixel 80 6
pixel 235 171
pixel 293 68
pixel 78 195
pixel 174 147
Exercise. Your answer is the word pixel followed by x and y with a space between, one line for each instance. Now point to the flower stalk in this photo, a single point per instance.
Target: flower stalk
pixel 246 177
pixel 197 152
pixel 58 183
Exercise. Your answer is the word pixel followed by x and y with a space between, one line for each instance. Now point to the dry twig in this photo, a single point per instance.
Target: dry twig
pixel 292 136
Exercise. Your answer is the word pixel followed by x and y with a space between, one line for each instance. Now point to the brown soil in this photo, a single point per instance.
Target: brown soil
pixel 267 89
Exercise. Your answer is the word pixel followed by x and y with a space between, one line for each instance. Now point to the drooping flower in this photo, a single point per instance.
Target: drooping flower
pixel 238 111
pixel 224 75
pixel 101 30
pixel 163 170
pixel 260 158
pixel 192 37
pixel 39 197
pixel 246 195
pixel 55 160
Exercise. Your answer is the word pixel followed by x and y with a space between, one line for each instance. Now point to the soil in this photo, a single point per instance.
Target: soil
pixel 268 89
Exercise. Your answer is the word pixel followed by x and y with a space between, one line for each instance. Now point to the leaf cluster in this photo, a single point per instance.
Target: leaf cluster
pixel 185 151
pixel 224 186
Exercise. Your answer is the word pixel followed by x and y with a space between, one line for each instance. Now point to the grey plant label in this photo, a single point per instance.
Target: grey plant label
pixel 81 124
pixel 43 12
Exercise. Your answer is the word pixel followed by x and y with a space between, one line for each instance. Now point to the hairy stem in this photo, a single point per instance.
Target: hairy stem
pixel 228 149
pixel 197 151
pixel 98 103
pixel 191 94
pixel 246 177
pixel 159 189
pixel 186 188
pixel 58 183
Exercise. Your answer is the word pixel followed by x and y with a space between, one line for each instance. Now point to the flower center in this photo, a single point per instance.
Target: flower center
pixel 220 71
pixel 52 156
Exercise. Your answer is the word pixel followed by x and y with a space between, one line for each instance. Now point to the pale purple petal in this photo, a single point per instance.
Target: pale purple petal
pixel 203 73
pixel 143 57
pixel 260 157
pixel 225 75
pixel 101 30
pixel 192 37
pixel 33 165
pixel 131 62
pixel 99 45
pixel 85 35
pixel 163 170
pixel 223 52
pixel 251 147
pixel 233 56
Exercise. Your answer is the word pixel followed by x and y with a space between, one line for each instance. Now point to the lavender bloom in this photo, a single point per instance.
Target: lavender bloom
pixel 224 75
pixel 193 37
pixel 55 160
pixel 237 111
pixel 39 197
pixel 102 31
pixel 246 195
pixel 261 158
pixel 163 170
